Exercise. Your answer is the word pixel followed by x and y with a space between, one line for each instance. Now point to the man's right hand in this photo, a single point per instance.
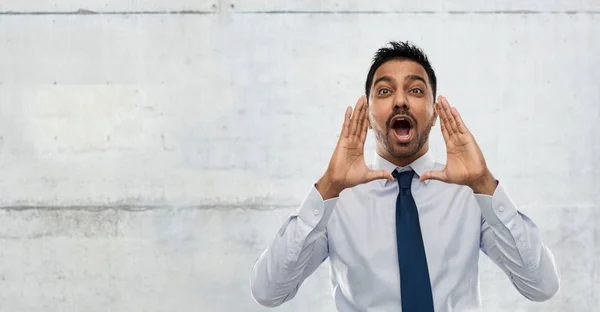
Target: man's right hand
pixel 347 166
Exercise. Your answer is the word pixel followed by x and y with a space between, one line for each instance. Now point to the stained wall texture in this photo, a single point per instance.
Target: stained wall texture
pixel 149 150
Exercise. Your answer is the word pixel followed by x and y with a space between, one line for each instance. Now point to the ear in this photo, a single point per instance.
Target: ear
pixel 435 114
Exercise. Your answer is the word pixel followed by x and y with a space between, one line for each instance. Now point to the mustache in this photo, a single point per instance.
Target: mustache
pixel 404 113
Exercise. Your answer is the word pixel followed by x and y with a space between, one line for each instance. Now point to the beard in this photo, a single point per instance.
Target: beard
pixel 404 150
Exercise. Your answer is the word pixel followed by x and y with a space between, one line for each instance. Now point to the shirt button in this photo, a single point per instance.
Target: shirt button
pixel 316 212
pixel 501 208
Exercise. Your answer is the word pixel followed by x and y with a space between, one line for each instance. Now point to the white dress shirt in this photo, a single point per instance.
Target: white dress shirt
pixel 357 232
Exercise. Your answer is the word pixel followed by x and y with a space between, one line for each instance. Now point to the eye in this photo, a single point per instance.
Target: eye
pixel 416 91
pixel 384 91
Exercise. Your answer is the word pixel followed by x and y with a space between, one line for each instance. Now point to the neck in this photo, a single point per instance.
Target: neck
pixel 401 162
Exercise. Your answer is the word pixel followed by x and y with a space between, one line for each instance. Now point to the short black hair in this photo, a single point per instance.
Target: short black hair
pixel 401 50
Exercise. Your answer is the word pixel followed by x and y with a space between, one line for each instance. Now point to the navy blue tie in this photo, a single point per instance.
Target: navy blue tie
pixel 415 286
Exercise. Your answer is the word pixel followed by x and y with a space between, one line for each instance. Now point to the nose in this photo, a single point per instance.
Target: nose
pixel 400 102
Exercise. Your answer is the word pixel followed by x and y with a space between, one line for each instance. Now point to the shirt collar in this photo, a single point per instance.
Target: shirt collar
pixel 421 165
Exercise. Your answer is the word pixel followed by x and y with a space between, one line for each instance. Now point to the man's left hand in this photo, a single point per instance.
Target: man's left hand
pixel 465 164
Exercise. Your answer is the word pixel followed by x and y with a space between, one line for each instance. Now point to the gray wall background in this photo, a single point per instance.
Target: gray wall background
pixel 149 150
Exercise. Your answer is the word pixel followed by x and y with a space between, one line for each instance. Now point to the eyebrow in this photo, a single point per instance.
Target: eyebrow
pixel 415 77
pixel 409 77
pixel 383 78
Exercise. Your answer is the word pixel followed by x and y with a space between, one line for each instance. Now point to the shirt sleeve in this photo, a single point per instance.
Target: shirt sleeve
pixel 512 241
pixel 297 250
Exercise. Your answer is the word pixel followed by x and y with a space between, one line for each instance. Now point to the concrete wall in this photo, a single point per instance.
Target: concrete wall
pixel 149 150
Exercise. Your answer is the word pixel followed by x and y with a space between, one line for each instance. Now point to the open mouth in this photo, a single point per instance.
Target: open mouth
pixel 403 128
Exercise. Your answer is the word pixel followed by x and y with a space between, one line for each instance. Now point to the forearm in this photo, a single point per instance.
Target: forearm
pixel 515 244
pixel 297 250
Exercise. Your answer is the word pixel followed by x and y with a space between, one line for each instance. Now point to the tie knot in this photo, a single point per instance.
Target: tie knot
pixel 404 178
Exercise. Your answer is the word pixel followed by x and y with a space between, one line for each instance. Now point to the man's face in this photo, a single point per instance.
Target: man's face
pixel 401 108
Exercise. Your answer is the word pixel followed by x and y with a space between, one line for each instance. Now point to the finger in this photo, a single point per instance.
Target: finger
pixel 346 126
pixel 379 174
pixel 451 121
pixel 365 122
pixel 442 124
pixel 355 117
pixel 361 118
pixel 365 130
pixel 460 125
pixel 435 175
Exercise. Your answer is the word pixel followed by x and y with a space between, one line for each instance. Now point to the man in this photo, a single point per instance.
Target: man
pixel 405 233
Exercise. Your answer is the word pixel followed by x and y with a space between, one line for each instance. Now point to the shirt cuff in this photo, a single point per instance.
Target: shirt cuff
pixel 498 208
pixel 314 211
